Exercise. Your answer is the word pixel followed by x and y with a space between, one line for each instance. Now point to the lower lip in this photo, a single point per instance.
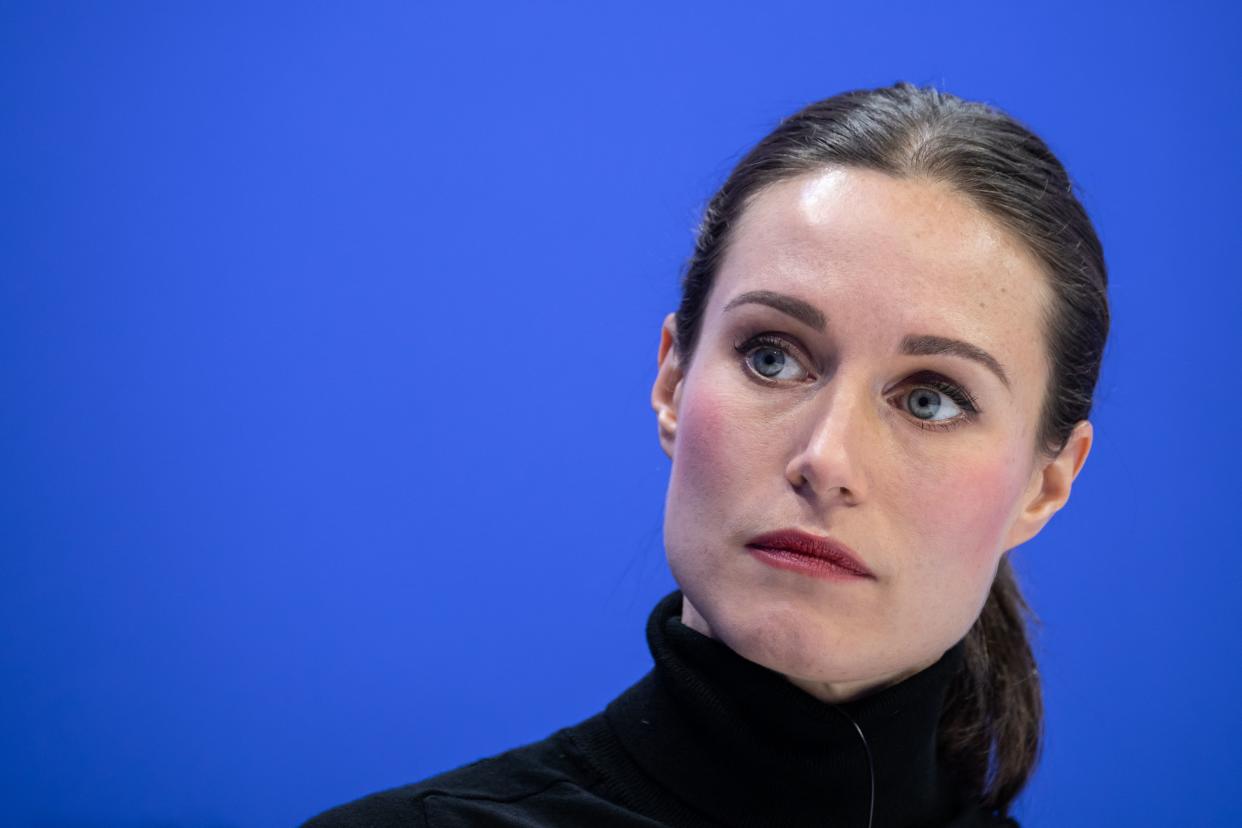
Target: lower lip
pixel 804 564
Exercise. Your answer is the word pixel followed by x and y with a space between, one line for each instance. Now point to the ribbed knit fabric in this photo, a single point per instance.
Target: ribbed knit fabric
pixel 706 738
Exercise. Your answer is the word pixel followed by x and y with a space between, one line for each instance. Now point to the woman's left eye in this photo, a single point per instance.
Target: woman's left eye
pixel 770 357
pixel 934 396
pixel 926 403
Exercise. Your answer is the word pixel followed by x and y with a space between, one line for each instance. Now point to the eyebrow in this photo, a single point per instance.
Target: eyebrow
pixel 913 345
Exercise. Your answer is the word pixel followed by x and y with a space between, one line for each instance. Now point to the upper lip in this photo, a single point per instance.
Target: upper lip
pixel 795 540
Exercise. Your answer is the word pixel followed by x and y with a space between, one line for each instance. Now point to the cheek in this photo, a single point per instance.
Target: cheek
pixel 968 511
pixel 700 468
pixel 713 451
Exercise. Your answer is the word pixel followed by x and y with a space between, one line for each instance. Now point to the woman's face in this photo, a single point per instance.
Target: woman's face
pixel 830 425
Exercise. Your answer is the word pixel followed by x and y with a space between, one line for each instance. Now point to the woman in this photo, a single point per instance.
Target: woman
pixel 876 385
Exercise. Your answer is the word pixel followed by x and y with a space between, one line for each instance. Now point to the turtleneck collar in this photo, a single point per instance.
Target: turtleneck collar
pixel 741 743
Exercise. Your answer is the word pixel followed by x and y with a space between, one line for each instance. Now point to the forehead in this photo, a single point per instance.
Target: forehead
pixel 890 256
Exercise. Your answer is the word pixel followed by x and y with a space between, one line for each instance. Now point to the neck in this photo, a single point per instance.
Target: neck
pixel 746 745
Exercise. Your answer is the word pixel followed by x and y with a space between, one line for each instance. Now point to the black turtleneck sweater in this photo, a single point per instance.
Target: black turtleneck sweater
pixel 706 738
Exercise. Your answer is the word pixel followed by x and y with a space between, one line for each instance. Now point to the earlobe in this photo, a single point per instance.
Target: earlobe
pixel 1050 486
pixel 665 393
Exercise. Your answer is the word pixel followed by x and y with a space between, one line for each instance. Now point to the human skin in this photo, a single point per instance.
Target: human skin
pixel 830 444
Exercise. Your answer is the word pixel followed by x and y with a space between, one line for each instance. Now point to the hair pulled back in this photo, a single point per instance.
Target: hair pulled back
pixel 992 722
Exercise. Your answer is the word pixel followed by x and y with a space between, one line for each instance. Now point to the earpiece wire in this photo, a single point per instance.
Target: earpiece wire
pixel 870 763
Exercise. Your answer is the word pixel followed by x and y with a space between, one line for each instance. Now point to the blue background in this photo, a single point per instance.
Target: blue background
pixel 327 333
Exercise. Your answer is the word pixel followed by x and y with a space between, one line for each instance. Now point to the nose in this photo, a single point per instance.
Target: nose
pixel 830 445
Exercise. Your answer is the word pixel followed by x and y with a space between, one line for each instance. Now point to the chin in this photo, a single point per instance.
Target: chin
pixel 781 637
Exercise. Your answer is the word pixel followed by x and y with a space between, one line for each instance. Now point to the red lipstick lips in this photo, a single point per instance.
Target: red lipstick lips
pixel 809 554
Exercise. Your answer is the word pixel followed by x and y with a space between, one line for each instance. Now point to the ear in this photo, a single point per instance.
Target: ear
pixel 666 392
pixel 1049 488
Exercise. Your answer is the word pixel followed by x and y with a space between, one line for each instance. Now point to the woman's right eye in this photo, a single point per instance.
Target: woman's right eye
pixel 770 357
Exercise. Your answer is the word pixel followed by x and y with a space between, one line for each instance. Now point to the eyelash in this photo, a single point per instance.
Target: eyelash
pixel 963 398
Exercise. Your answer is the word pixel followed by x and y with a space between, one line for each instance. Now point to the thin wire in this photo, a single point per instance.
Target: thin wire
pixel 870 762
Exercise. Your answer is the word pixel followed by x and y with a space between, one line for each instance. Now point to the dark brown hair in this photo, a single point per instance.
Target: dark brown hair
pixel 991 726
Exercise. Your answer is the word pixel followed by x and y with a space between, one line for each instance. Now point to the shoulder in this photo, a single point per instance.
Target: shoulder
pixel 385 809
pixel 978 818
pixel 541 776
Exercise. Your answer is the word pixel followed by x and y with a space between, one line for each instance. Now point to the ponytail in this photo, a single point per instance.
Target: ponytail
pixel 992 722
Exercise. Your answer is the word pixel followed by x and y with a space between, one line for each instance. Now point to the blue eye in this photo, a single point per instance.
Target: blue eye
pixel 769 356
pixel 926 403
pixel 932 395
